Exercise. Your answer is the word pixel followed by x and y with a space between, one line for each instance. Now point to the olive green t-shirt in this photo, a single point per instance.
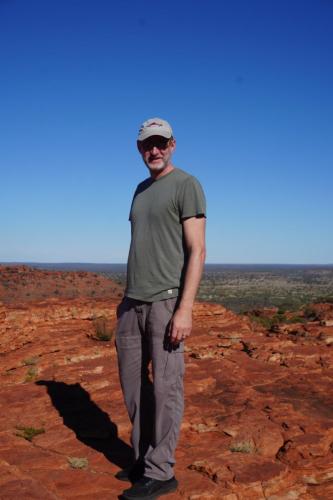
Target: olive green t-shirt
pixel 157 255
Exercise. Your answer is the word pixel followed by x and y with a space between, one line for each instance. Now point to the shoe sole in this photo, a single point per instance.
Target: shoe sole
pixel 167 489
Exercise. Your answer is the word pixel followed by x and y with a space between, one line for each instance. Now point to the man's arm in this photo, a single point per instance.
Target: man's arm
pixel 194 233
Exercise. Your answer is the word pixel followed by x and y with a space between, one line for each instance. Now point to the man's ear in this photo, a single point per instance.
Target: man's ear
pixel 173 143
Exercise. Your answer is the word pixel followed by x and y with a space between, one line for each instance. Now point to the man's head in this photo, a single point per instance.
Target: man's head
pixel 156 145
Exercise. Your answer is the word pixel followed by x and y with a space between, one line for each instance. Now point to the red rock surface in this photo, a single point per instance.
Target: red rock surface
pixel 24 283
pixel 258 421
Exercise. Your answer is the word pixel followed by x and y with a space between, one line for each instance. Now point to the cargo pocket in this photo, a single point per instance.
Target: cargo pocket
pixel 174 363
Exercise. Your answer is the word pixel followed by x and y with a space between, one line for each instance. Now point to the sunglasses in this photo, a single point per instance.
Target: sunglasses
pixel 154 142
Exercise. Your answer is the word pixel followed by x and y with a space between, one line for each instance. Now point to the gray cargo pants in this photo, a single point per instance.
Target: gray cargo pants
pixel 155 406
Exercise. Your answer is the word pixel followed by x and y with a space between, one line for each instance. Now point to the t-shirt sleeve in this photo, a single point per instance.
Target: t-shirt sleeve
pixel 130 212
pixel 191 202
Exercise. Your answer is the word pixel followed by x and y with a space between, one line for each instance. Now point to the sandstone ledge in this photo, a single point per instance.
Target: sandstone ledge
pixel 258 422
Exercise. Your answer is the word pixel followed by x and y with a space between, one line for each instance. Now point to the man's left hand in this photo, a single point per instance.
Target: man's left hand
pixel 181 325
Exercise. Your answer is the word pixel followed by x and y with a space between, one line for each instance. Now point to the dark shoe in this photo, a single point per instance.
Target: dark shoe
pixel 149 489
pixel 132 473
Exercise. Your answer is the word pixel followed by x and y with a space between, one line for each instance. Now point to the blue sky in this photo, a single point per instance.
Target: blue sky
pixel 247 87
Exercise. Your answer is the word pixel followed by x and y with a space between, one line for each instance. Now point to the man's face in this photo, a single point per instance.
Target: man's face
pixel 156 152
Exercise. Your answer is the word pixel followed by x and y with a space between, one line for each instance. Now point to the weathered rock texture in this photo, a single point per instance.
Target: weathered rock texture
pixel 258 422
pixel 23 283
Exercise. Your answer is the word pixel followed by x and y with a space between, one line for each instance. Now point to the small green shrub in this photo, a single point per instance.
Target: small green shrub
pixel 28 433
pixel 296 319
pixel 30 361
pixel 242 447
pixel 103 330
pixel 31 374
pixel 261 320
pixel 268 322
pixel 310 314
pixel 78 463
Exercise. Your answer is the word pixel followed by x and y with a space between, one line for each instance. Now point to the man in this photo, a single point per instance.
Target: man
pixel 164 268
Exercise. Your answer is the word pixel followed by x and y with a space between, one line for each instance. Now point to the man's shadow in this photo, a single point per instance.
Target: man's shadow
pixel 91 425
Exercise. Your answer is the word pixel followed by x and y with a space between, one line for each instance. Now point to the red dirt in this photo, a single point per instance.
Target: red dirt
pixel 258 421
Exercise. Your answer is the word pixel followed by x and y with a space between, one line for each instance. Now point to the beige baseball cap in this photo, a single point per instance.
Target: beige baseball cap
pixel 154 126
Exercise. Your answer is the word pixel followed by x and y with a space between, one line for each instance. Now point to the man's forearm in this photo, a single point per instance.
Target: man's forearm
pixel 192 278
pixel 181 324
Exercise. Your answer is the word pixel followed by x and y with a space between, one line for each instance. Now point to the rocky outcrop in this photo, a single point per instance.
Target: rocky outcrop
pixel 258 420
pixel 27 284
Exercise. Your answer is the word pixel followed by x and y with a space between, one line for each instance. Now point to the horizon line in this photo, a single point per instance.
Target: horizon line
pixel 206 263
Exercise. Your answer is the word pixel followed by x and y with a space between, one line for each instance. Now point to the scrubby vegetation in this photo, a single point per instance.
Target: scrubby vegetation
pixel 245 287
pixel 28 433
pixel 286 287
pixel 104 331
pixel 78 463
